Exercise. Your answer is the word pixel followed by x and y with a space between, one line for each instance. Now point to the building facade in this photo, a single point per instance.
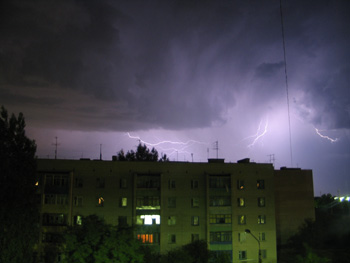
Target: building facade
pixel 174 203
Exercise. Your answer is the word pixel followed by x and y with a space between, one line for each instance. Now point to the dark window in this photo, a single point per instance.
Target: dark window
pixel 100 183
pixel 242 255
pixel 220 219
pixel 220 201
pixel 54 219
pixel 122 183
pixel 260 184
pixel 171 238
pixel 172 202
pixel 221 237
pixel 194 237
pixel 122 221
pixel 78 182
pixel 261 201
pixel 172 184
pixel 220 182
pixel 194 184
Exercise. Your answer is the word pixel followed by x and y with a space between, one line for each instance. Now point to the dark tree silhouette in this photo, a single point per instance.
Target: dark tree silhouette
pixel 142 154
pixel 18 210
pixel 96 242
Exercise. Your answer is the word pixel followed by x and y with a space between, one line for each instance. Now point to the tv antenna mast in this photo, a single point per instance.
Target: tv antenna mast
pixel 56 144
pixel 216 148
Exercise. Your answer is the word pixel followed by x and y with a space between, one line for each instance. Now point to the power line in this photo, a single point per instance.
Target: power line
pixel 285 72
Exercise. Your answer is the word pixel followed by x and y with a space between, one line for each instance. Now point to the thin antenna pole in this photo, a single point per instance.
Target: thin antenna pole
pixel 216 147
pixel 100 152
pixel 285 72
pixel 55 144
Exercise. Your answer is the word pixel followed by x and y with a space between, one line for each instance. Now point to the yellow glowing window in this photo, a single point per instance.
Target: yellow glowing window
pixel 145 238
pixel 100 201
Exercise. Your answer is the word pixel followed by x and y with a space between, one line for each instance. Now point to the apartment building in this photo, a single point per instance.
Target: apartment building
pixel 173 203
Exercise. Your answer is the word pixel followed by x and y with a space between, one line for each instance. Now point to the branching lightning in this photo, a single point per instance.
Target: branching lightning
pixel 325 136
pixel 259 133
pixel 180 147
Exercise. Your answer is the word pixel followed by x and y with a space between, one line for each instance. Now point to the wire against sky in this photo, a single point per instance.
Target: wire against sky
pixel 325 136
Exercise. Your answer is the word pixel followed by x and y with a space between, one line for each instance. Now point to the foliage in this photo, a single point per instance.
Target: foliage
pixel 142 154
pixel 96 242
pixel 311 257
pixel 18 211
pixel 195 252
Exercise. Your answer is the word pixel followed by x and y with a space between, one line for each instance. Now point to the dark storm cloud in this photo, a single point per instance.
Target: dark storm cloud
pixel 171 64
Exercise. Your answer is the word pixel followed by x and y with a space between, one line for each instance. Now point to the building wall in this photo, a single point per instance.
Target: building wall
pixel 294 201
pixel 192 200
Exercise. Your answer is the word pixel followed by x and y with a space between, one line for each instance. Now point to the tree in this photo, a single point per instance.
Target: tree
pixel 19 226
pixel 96 242
pixel 142 154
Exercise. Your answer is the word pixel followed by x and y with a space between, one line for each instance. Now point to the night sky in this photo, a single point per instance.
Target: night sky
pixel 181 75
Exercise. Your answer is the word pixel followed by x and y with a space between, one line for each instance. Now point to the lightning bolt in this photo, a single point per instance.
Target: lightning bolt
pixel 180 147
pixel 324 136
pixel 258 134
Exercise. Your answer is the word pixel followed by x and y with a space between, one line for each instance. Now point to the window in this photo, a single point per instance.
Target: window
pixel 123 202
pixel 146 238
pixel 100 201
pixel 171 184
pixel 194 237
pixel 100 183
pixel 242 255
pixel 147 202
pixel 263 253
pixel 241 219
pixel 171 238
pixel 148 219
pixel 221 237
pixel 122 221
pixel 56 180
pixel 220 219
pixel 122 183
pixel 194 184
pixel 240 184
pixel 261 201
pixel 260 184
pixel 195 220
pixel 195 202
pixel 50 199
pixel 147 182
pixel 220 201
pixel 78 220
pixel 262 236
pixel 78 182
pixel 49 237
pixel 54 219
pixel 241 202
pixel 172 202
pixel 220 182
pixel 78 200
pixel 171 220
pixel 242 237
pixel 261 219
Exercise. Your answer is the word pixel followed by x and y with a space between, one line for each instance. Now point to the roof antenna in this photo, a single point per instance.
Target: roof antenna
pixel 56 144
pixel 100 152
pixel 216 148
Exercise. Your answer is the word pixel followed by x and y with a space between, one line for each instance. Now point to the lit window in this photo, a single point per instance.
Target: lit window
pixel 123 202
pixel 195 220
pixel 260 184
pixel 100 201
pixel 242 255
pixel 261 219
pixel 241 219
pixel 171 220
pixel 220 219
pixel 78 220
pixel 241 201
pixel 148 220
pixel 36 183
pixel 145 238
pixel 261 201
pixel 240 184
